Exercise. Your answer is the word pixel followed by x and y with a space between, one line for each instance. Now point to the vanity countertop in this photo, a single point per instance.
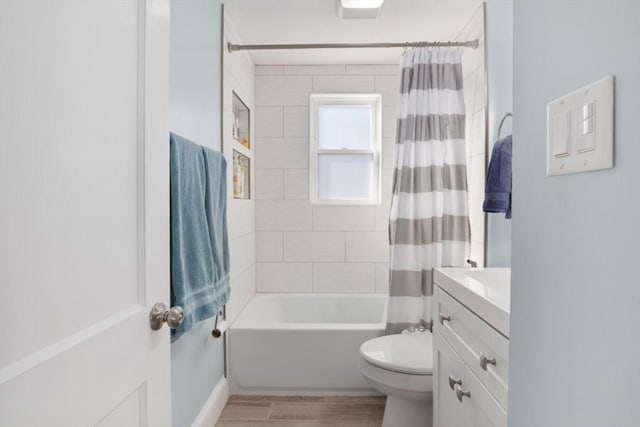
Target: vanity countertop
pixel 485 291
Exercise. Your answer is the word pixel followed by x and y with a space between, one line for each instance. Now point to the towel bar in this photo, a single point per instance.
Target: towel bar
pixel 501 123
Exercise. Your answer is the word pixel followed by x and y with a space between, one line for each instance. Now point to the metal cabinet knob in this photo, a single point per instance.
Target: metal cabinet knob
pixel 462 394
pixel 159 315
pixel 453 382
pixel 444 318
pixel 484 361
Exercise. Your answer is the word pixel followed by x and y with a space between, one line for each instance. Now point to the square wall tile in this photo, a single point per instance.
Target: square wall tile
pixel 240 253
pixel 477 218
pixel 244 287
pixel 389 119
pixel 339 84
pixel 377 69
pixel 314 69
pixel 314 246
pixel 284 277
pixel 268 184
pixel 269 246
pixel 476 172
pixel 475 136
pixel 367 246
pixel 283 90
pixel 361 69
pixel 283 215
pixel 389 87
pixel 269 122
pixel 477 252
pixel 382 211
pixel 241 217
pixel 296 122
pixel 343 218
pixel 269 70
pixel 382 278
pixel 296 184
pixel 282 153
pixel 343 277
pixel 382 217
pixel 388 153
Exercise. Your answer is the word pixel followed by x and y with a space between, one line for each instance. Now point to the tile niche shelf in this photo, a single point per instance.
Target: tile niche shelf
pixel 241 147
pixel 240 126
pixel 241 176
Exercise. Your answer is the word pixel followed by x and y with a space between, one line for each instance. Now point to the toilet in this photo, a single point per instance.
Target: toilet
pixel 401 366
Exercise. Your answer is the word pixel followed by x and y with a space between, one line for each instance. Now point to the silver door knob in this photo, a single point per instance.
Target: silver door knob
pixel 444 318
pixel 462 394
pixel 484 361
pixel 159 315
pixel 453 382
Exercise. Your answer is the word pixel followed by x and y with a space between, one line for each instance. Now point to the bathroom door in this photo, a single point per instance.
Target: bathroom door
pixel 84 205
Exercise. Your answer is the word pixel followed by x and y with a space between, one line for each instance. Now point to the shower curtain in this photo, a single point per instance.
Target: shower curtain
pixel 429 222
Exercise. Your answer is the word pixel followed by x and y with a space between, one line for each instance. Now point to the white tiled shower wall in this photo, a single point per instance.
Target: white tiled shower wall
pixel 238 76
pixel 474 71
pixel 319 248
pixel 305 248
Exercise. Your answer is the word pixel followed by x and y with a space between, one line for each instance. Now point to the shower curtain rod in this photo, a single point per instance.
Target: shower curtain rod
pixel 234 47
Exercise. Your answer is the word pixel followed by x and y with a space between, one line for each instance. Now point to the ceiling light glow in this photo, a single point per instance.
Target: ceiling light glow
pixel 361 4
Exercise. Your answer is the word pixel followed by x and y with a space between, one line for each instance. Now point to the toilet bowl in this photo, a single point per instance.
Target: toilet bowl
pixel 401 366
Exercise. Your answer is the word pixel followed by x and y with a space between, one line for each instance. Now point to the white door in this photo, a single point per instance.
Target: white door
pixel 84 206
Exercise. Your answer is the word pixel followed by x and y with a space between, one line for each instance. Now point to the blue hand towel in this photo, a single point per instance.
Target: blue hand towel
pixel 497 196
pixel 194 274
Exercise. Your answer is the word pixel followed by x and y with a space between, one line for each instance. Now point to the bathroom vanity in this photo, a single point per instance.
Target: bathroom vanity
pixel 471 346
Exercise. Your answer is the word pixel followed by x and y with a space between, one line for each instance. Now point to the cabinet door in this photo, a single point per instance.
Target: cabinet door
pixel 448 374
pixel 481 409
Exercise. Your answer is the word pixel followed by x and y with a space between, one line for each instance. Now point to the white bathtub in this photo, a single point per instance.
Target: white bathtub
pixel 303 344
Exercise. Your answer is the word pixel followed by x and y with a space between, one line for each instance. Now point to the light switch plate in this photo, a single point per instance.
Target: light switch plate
pixel 589 108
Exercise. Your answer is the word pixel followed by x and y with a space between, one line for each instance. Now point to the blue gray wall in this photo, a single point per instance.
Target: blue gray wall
pixel 575 340
pixel 499 33
pixel 197 360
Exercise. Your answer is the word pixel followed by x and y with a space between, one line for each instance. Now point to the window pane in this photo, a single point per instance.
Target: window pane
pixel 344 126
pixel 345 176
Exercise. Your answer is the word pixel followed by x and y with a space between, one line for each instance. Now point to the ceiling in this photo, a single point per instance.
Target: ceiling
pixel 315 21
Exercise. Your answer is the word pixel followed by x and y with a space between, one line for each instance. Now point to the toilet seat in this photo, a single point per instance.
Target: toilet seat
pixel 407 353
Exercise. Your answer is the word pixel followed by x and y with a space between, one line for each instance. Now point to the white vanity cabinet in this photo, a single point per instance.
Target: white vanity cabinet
pixel 470 356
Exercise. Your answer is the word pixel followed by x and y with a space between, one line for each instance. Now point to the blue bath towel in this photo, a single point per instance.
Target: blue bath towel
pixel 216 210
pixel 497 196
pixel 195 275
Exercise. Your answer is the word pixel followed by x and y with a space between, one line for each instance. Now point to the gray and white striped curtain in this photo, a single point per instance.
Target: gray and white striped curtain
pixel 429 222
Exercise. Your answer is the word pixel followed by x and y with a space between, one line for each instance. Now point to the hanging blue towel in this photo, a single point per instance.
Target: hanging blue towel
pixel 216 210
pixel 497 196
pixel 196 275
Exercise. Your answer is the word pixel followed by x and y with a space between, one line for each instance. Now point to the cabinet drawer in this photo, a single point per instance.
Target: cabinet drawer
pixel 474 340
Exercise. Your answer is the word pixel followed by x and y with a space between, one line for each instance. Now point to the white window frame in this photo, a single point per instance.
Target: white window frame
pixel 373 100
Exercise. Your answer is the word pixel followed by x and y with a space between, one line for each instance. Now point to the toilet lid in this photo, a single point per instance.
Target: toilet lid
pixel 407 353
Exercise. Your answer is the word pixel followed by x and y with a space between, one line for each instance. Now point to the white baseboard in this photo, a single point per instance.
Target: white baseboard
pixel 214 405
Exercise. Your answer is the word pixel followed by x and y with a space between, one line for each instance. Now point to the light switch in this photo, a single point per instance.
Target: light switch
pixel 561 134
pixel 587 126
pixel 587 140
pixel 586 143
pixel 587 110
pixel 580 129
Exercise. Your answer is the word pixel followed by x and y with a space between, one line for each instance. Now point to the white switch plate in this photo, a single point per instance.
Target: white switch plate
pixel 594 104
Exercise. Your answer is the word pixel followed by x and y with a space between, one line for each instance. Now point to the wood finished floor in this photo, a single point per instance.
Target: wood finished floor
pixel 302 411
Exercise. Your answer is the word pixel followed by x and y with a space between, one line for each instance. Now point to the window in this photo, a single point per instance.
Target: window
pixel 345 149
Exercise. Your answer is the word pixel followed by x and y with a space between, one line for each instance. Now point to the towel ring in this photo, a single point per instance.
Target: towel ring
pixel 501 123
